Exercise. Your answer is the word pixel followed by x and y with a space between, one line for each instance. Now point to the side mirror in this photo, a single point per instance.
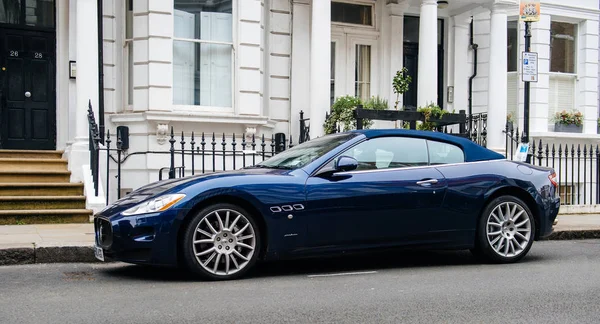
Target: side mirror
pixel 345 164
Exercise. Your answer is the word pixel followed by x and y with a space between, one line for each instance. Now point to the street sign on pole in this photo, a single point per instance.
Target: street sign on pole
pixel 530 67
pixel 529 10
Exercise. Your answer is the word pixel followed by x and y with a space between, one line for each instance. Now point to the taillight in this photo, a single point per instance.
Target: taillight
pixel 552 178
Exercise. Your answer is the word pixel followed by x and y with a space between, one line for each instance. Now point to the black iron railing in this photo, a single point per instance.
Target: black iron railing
pixel 577 166
pixel 94 146
pixel 188 155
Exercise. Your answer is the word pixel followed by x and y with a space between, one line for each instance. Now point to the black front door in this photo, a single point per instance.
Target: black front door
pixel 27 96
pixel 411 63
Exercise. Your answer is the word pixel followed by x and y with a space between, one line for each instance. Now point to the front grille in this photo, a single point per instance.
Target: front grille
pixel 104 235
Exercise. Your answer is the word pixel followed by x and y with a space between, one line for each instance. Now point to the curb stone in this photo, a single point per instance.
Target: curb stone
pixel 85 254
pixel 574 235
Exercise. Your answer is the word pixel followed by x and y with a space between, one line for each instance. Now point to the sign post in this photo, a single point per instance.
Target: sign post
pixel 529 11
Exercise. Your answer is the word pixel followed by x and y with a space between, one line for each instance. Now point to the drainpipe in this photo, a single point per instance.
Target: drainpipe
pixel 100 72
pixel 474 48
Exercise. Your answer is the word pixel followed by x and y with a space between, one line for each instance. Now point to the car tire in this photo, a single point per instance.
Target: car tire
pixel 505 231
pixel 221 250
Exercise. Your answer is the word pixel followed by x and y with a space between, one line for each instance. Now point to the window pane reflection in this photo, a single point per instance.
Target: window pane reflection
pixel 202 74
pixel 363 72
pixel 332 77
pixel 562 47
pixel 39 13
pixel 10 12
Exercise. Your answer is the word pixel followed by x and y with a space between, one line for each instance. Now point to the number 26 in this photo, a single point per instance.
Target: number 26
pixel 14 53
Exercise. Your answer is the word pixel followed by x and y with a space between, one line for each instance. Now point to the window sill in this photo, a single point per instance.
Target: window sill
pixel 191 117
pixel 561 135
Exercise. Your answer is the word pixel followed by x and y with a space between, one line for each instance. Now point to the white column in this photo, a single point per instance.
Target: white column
pixel 461 53
pixel 87 65
pixel 251 48
pixel 86 85
pixel 62 70
pixel 320 65
pixel 587 72
pixel 396 44
pixel 497 80
pixel 300 61
pixel 540 90
pixel 428 49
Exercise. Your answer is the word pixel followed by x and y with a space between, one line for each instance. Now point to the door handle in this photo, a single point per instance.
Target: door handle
pixel 427 182
pixel 27 94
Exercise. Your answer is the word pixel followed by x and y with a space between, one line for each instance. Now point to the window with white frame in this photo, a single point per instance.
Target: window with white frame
pixel 203 53
pixel 352 13
pixel 563 53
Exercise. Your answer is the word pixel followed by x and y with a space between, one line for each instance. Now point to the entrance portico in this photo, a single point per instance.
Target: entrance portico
pixel 363 44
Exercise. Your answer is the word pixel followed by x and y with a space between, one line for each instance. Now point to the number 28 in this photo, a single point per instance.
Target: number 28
pixel 38 55
pixel 14 53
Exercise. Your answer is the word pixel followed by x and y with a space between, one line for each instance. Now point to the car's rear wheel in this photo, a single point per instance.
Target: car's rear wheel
pixel 221 242
pixel 505 231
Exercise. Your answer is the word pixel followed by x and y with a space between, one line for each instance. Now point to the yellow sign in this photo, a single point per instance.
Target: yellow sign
pixel 529 10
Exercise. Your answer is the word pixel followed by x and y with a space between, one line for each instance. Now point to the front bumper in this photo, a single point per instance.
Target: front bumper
pixel 140 239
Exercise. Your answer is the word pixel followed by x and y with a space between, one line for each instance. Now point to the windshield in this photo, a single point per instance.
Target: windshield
pixel 303 154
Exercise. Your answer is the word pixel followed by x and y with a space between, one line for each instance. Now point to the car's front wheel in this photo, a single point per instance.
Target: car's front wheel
pixel 505 231
pixel 221 242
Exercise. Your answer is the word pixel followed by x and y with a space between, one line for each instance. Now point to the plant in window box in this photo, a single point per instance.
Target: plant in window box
pixel 342 113
pixel 568 122
pixel 431 111
pixel 510 120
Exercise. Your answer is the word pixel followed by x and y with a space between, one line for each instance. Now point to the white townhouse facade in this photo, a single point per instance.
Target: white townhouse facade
pixel 251 66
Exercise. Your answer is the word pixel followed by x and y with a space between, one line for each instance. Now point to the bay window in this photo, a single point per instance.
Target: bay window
pixel 203 53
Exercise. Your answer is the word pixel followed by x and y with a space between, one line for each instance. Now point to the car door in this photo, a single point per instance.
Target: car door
pixel 394 195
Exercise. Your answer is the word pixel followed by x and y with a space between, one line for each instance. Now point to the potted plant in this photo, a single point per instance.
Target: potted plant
pixel 568 122
pixel 510 120
pixel 400 84
pixel 431 111
pixel 342 113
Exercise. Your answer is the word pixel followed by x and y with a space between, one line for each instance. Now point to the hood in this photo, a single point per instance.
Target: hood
pixel 158 188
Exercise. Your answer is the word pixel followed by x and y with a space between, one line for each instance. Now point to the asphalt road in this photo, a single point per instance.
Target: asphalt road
pixel 559 282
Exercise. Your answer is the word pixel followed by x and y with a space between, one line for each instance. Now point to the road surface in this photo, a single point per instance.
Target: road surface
pixel 558 282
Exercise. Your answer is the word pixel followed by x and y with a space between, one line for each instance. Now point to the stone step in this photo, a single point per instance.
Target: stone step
pixel 51 216
pixel 41 202
pixel 35 176
pixel 36 164
pixel 41 189
pixel 31 154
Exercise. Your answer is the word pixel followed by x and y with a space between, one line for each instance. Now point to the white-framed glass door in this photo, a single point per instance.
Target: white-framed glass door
pixel 353 65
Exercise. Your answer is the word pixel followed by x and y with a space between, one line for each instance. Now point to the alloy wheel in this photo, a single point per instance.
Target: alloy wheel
pixel 224 242
pixel 508 229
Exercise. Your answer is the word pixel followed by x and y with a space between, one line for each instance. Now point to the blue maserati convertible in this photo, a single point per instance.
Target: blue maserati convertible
pixel 348 192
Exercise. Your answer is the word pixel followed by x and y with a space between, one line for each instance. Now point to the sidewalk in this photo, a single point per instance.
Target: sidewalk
pixel 25 244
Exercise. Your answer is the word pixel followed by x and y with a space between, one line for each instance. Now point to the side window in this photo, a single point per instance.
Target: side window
pixel 389 152
pixel 444 153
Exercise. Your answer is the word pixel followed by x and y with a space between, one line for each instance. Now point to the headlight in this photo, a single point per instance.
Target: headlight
pixel 159 204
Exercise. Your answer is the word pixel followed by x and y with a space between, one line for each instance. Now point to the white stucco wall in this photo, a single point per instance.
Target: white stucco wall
pixel 271 70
